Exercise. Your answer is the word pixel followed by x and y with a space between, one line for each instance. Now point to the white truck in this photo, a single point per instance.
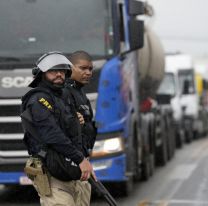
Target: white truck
pixel 180 84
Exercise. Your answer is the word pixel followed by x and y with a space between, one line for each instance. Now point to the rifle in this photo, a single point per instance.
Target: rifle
pixel 100 189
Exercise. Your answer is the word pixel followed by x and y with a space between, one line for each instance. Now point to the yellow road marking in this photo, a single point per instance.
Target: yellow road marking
pixel 143 203
pixel 163 203
pixel 149 203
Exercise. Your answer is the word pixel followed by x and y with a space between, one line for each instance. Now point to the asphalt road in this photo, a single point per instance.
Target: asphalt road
pixel 182 182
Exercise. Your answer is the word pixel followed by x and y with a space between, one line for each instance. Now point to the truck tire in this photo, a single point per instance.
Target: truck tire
pixel 125 188
pixel 189 136
pixel 171 138
pixel 161 151
pixel 162 155
pixel 137 158
pixel 180 138
pixel 146 167
pixel 152 164
pixel 133 160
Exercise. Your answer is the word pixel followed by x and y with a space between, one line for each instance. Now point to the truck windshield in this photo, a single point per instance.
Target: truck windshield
pixel 168 85
pixel 33 27
pixel 186 81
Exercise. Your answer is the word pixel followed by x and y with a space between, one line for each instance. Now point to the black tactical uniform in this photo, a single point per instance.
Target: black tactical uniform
pixel 73 90
pixel 54 120
pixel 51 124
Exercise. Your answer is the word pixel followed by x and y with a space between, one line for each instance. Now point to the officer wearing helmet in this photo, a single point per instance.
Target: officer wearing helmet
pixel 54 124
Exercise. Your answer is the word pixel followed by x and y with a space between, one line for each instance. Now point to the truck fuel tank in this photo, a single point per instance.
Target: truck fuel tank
pixel 151 62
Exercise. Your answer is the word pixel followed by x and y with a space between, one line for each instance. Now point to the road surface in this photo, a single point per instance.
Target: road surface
pixel 182 182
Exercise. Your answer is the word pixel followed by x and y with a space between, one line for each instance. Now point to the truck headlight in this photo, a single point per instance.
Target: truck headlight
pixel 108 146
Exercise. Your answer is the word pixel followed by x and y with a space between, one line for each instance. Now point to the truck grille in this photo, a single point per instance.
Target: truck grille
pixel 7 128
pixel 9 110
pixel 12 149
pixel 11 145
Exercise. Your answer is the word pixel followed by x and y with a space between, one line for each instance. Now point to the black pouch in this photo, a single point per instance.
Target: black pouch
pixel 60 167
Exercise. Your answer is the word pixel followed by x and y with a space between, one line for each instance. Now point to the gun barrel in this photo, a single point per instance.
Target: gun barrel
pixel 102 190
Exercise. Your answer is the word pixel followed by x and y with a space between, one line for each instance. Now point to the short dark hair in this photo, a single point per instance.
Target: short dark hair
pixel 77 55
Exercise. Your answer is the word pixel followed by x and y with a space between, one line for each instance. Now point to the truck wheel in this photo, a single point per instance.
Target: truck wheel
pixel 171 141
pixel 189 136
pixel 152 164
pixel 180 137
pixel 146 167
pixel 125 188
pixel 137 168
pixel 162 156
pixel 162 150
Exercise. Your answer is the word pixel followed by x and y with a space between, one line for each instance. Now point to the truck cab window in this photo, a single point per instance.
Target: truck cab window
pixel 168 85
pixel 186 81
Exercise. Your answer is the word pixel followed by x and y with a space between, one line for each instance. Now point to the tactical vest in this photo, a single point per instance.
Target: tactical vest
pixel 82 105
pixel 64 113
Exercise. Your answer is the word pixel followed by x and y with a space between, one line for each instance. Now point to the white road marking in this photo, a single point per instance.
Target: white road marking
pixel 183 172
pixel 188 202
pixel 166 203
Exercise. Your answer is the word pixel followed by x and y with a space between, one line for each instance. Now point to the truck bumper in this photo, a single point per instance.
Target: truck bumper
pixel 14 178
pixel 110 169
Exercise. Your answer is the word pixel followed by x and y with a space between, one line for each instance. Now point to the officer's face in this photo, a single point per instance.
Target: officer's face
pixel 55 76
pixel 82 71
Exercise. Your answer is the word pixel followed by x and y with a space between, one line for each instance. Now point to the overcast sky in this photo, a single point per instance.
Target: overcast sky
pixel 182 25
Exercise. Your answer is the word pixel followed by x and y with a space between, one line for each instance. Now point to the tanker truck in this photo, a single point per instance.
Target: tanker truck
pixel 130 135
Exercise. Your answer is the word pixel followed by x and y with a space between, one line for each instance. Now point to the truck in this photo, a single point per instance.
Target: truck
pixel 180 83
pixel 128 68
pixel 200 66
pixel 170 87
pixel 201 88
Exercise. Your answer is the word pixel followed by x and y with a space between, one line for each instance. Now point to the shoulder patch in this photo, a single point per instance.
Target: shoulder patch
pixel 45 103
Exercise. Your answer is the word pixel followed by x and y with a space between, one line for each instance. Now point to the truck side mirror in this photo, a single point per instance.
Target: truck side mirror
pixel 136 27
pixel 136 8
pixel 136 34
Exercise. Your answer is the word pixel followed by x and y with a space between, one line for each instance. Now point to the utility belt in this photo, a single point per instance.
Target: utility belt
pixel 38 174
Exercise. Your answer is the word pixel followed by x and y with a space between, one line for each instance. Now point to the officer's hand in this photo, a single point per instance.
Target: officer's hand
pixel 93 173
pixel 81 118
pixel 86 169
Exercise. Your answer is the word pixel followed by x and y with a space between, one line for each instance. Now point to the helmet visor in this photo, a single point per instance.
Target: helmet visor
pixel 54 60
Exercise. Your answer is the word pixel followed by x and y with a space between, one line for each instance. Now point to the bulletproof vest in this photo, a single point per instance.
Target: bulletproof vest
pixel 64 113
pixel 81 103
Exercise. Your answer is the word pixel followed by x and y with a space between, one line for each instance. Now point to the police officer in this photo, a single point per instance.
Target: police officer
pixel 55 122
pixel 81 75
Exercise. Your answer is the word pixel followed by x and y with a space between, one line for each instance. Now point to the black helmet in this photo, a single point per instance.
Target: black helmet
pixel 49 61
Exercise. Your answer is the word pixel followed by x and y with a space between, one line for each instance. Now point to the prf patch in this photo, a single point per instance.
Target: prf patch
pixel 45 103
